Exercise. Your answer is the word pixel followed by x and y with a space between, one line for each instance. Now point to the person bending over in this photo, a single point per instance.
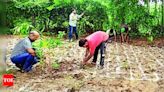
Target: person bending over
pixel 124 33
pixel 93 43
pixel 112 33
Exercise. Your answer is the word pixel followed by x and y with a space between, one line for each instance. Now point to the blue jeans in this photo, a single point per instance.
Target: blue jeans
pixel 71 31
pixel 24 61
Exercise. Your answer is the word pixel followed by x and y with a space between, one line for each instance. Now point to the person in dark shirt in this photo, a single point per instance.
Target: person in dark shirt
pixel 124 33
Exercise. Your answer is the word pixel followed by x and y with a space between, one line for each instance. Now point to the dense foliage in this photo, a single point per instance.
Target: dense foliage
pixel 52 15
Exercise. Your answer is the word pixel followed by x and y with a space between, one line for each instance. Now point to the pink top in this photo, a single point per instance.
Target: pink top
pixel 95 39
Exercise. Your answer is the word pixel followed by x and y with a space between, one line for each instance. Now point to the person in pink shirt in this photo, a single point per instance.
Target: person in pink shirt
pixel 93 43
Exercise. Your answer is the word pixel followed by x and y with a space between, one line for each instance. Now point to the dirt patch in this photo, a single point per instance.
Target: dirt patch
pixel 158 42
pixel 128 68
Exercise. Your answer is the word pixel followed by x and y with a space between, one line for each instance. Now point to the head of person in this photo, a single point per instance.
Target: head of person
pixel 33 36
pixel 74 11
pixel 111 30
pixel 83 43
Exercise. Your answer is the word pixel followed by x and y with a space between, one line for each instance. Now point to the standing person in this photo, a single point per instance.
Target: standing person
pixel 93 43
pixel 23 55
pixel 73 17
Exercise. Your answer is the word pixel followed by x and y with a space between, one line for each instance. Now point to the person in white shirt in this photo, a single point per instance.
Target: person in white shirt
pixel 112 33
pixel 73 17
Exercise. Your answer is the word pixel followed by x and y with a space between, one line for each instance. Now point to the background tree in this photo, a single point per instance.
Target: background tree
pixel 144 17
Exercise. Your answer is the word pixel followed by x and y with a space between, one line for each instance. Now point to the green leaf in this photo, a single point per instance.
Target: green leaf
pixel 55 65
pixel 150 39
pixel 51 7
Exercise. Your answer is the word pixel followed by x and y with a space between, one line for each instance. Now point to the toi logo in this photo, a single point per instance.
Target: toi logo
pixel 8 80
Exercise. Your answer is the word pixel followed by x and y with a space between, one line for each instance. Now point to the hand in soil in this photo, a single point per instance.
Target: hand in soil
pixel 87 65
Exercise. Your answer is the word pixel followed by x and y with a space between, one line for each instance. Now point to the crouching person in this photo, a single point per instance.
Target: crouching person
pixel 93 43
pixel 23 55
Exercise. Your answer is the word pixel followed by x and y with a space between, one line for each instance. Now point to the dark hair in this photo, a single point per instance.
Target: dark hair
pixel 82 42
pixel 111 30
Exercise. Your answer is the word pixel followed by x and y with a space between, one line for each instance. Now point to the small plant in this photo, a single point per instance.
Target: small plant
pixel 61 35
pixel 51 43
pixel 39 50
pixel 150 39
pixel 58 42
pixel 39 53
pixel 55 65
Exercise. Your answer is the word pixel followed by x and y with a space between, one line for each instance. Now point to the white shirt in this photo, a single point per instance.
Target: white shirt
pixel 73 19
pixel 110 33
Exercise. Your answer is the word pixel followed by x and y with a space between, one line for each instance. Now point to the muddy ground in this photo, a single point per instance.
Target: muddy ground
pixel 128 68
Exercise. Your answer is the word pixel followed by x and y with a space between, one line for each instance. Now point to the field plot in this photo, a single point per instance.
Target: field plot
pixel 127 68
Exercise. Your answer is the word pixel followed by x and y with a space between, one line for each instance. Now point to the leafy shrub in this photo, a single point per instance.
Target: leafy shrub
pixel 48 15
pixel 147 32
pixel 22 27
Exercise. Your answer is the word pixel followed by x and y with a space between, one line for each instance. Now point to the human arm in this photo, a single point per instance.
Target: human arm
pixel 79 16
pixel 87 58
pixel 31 51
pixel 88 55
pixel 28 47
pixel 86 52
